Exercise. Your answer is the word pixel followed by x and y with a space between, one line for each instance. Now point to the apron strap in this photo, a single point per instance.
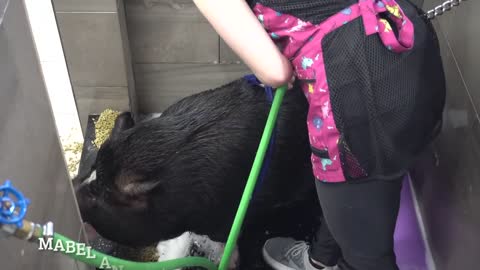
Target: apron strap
pixel 373 23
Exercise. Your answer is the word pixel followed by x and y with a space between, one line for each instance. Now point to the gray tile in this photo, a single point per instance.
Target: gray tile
pixel 60 209
pixel 452 189
pixel 455 195
pixel 418 2
pixel 64 214
pixel 170 31
pixel 476 134
pixel 444 46
pixel 227 55
pixel 52 200
pixel 13 252
pixel 94 100
pixel 85 5
pixel 463 36
pixel 93 48
pixel 43 259
pixel 84 266
pixel 157 39
pixel 159 85
pixel 445 22
pixel 459 110
pixel 81 235
pixel 475 188
pixel 172 10
pixel 428 4
pixel 33 158
pixel 445 19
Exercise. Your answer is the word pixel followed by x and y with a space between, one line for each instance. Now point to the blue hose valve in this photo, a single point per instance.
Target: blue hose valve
pixel 13 205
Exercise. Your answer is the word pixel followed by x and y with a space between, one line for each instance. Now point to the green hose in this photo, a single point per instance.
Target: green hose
pixel 252 179
pixel 104 261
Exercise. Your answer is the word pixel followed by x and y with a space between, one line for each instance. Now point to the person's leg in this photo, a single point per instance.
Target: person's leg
pixel 362 219
pixel 324 250
pixel 360 216
pixel 288 254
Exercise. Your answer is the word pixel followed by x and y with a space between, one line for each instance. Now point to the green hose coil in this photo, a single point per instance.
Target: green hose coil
pixel 104 261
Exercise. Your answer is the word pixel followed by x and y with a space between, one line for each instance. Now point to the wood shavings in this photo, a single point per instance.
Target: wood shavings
pixel 104 126
pixel 72 145
pixel 73 153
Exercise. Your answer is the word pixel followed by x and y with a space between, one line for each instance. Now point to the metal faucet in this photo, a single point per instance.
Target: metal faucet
pixel 13 208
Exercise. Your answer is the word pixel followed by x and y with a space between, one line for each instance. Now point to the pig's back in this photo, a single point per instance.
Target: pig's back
pixel 207 142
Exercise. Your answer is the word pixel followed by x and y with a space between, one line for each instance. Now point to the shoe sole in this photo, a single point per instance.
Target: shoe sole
pixel 273 263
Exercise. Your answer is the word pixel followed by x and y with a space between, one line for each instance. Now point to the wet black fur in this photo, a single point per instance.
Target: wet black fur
pixel 192 164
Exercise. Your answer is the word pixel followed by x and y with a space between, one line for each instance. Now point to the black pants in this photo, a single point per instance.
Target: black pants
pixel 358 225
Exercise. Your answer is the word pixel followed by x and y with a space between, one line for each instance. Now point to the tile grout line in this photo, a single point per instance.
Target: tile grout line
pixel 430 262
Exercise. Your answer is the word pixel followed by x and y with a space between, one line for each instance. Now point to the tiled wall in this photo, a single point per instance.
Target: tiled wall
pixel 92 39
pixel 175 52
pixel 448 186
pixel 31 155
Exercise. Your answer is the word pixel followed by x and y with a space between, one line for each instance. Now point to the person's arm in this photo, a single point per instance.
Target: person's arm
pixel 237 25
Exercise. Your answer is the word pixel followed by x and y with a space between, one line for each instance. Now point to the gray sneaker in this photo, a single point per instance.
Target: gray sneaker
pixel 288 254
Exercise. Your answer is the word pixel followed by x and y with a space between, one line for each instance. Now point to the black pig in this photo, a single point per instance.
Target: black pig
pixel 185 171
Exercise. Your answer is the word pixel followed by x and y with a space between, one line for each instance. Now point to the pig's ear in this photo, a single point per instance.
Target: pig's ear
pixel 132 184
pixel 123 122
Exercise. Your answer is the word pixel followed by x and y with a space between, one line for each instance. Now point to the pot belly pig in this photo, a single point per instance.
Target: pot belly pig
pixel 185 171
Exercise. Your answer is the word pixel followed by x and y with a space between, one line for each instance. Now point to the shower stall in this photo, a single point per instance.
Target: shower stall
pixel 142 55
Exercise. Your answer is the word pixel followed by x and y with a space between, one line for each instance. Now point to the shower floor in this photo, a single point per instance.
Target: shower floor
pixel 410 248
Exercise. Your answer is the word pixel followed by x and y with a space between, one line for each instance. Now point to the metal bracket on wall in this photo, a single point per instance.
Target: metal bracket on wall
pixel 441 9
pixel 3 9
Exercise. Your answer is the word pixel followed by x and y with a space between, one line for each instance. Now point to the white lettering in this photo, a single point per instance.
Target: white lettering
pixel 70 247
pixel 59 246
pixel 89 253
pixel 81 249
pixel 105 264
pixel 45 245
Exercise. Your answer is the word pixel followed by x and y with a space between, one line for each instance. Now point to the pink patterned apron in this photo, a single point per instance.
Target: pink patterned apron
pixel 301 44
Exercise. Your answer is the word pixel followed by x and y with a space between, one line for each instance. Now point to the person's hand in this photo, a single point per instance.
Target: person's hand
pixel 237 25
